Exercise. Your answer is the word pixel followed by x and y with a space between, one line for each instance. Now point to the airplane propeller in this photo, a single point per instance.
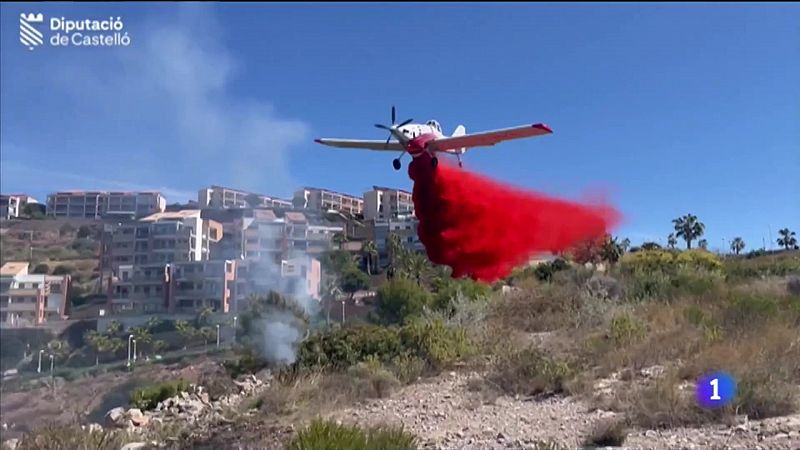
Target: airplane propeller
pixel 393 129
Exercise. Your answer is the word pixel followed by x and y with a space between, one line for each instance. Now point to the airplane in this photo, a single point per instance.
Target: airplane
pixel 417 139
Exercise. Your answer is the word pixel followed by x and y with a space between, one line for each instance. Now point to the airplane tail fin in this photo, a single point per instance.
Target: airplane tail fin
pixel 460 131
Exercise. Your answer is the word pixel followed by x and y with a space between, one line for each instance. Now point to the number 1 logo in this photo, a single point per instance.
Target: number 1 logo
pixel 716 390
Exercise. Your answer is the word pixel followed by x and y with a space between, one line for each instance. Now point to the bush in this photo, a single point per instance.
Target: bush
pixel 41 269
pixel 249 362
pixel 626 330
pixel 607 433
pixel 72 437
pixel 84 232
pixel 451 290
pixel 63 269
pixel 436 344
pixel 149 397
pixel 399 300
pixel 529 372
pixel 761 395
pixel 328 435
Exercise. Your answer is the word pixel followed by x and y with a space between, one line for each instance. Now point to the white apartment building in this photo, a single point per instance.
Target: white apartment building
pixel 13 205
pixel 323 200
pixel 97 204
pixel 220 197
pixel 383 203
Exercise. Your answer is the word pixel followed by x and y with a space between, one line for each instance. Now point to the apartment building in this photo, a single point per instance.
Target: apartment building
pixel 383 203
pixel 99 204
pixel 323 200
pixel 299 277
pixel 219 197
pixel 160 238
pixel 13 205
pixel 320 237
pixel 180 287
pixel 403 226
pixel 30 299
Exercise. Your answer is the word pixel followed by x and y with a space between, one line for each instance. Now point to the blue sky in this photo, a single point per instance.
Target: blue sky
pixel 668 108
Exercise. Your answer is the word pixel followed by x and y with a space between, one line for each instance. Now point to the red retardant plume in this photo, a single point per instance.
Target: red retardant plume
pixel 484 229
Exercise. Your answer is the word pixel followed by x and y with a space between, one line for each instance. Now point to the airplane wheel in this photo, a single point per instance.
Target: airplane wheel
pixel 434 162
pixel 396 164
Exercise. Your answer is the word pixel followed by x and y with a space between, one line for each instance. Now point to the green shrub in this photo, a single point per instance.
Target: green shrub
pixel 400 300
pixel 63 269
pixel 249 362
pixel 149 397
pixel 407 367
pixel 746 310
pixel 436 343
pixel 328 435
pixel 626 329
pixel 761 395
pixel 451 290
pixel 529 372
pixel 41 269
pixel 433 342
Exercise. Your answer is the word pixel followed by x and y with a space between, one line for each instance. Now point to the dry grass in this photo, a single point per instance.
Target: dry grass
pixel 73 437
pixel 529 372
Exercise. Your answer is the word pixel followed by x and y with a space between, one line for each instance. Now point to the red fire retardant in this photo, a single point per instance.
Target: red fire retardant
pixel 483 229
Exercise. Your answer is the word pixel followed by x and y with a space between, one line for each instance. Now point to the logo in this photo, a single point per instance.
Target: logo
pixel 28 35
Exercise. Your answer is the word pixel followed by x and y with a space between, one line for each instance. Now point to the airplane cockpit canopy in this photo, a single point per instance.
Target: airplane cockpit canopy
pixel 435 125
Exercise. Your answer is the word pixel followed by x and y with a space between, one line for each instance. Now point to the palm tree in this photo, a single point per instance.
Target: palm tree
pixel 330 292
pixel 671 240
pixel 702 243
pixel 339 239
pixel 416 267
pixel 737 245
pixel 142 336
pixel 370 252
pixel 253 200
pixel 688 228
pixel 787 239
pixel 186 330
pixel 394 245
pixel 153 323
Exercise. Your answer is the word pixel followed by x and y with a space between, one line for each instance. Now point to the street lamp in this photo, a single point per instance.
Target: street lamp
pixel 342 312
pixel 217 335
pixel 130 338
pixel 39 370
pixel 234 329
pixel 134 351
pixel 52 365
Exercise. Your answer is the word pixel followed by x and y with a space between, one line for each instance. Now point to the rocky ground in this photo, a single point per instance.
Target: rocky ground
pixel 445 413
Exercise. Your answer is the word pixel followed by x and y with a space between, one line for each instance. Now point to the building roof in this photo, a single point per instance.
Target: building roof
pixel 307 188
pixel 383 188
pixel 264 214
pixel 168 215
pixel 12 269
pixel 295 216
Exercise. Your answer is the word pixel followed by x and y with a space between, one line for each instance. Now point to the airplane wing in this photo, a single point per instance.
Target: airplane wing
pixel 368 145
pixel 489 138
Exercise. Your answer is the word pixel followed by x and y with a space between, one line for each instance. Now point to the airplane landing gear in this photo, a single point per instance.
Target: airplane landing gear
pixel 434 162
pixel 396 164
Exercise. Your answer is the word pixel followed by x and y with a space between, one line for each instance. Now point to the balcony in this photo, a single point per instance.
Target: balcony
pixel 18 307
pixel 33 292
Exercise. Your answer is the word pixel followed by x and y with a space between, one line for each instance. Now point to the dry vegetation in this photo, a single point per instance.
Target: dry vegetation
pixel 650 327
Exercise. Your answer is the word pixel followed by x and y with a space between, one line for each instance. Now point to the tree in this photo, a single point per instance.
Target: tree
pixel 32 210
pixel 339 239
pixel 672 241
pixel 395 248
pixel 370 252
pixel 688 228
pixel 143 338
pixel 787 239
pixel 84 232
pixel 41 269
pixel 159 346
pixel 352 281
pixel 253 200
pixel 737 245
pixel 63 269
pixel 207 333
pixel 399 300
pixel 416 266
pixel 186 331
pixel 337 262
pixel 587 251
pixel 650 246
pixel 114 328
pixel 97 342
pixel 625 245
pixel 153 323
pixel 202 317
pixel 66 229
pixel 611 250
pixel 330 292
pixel 702 243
